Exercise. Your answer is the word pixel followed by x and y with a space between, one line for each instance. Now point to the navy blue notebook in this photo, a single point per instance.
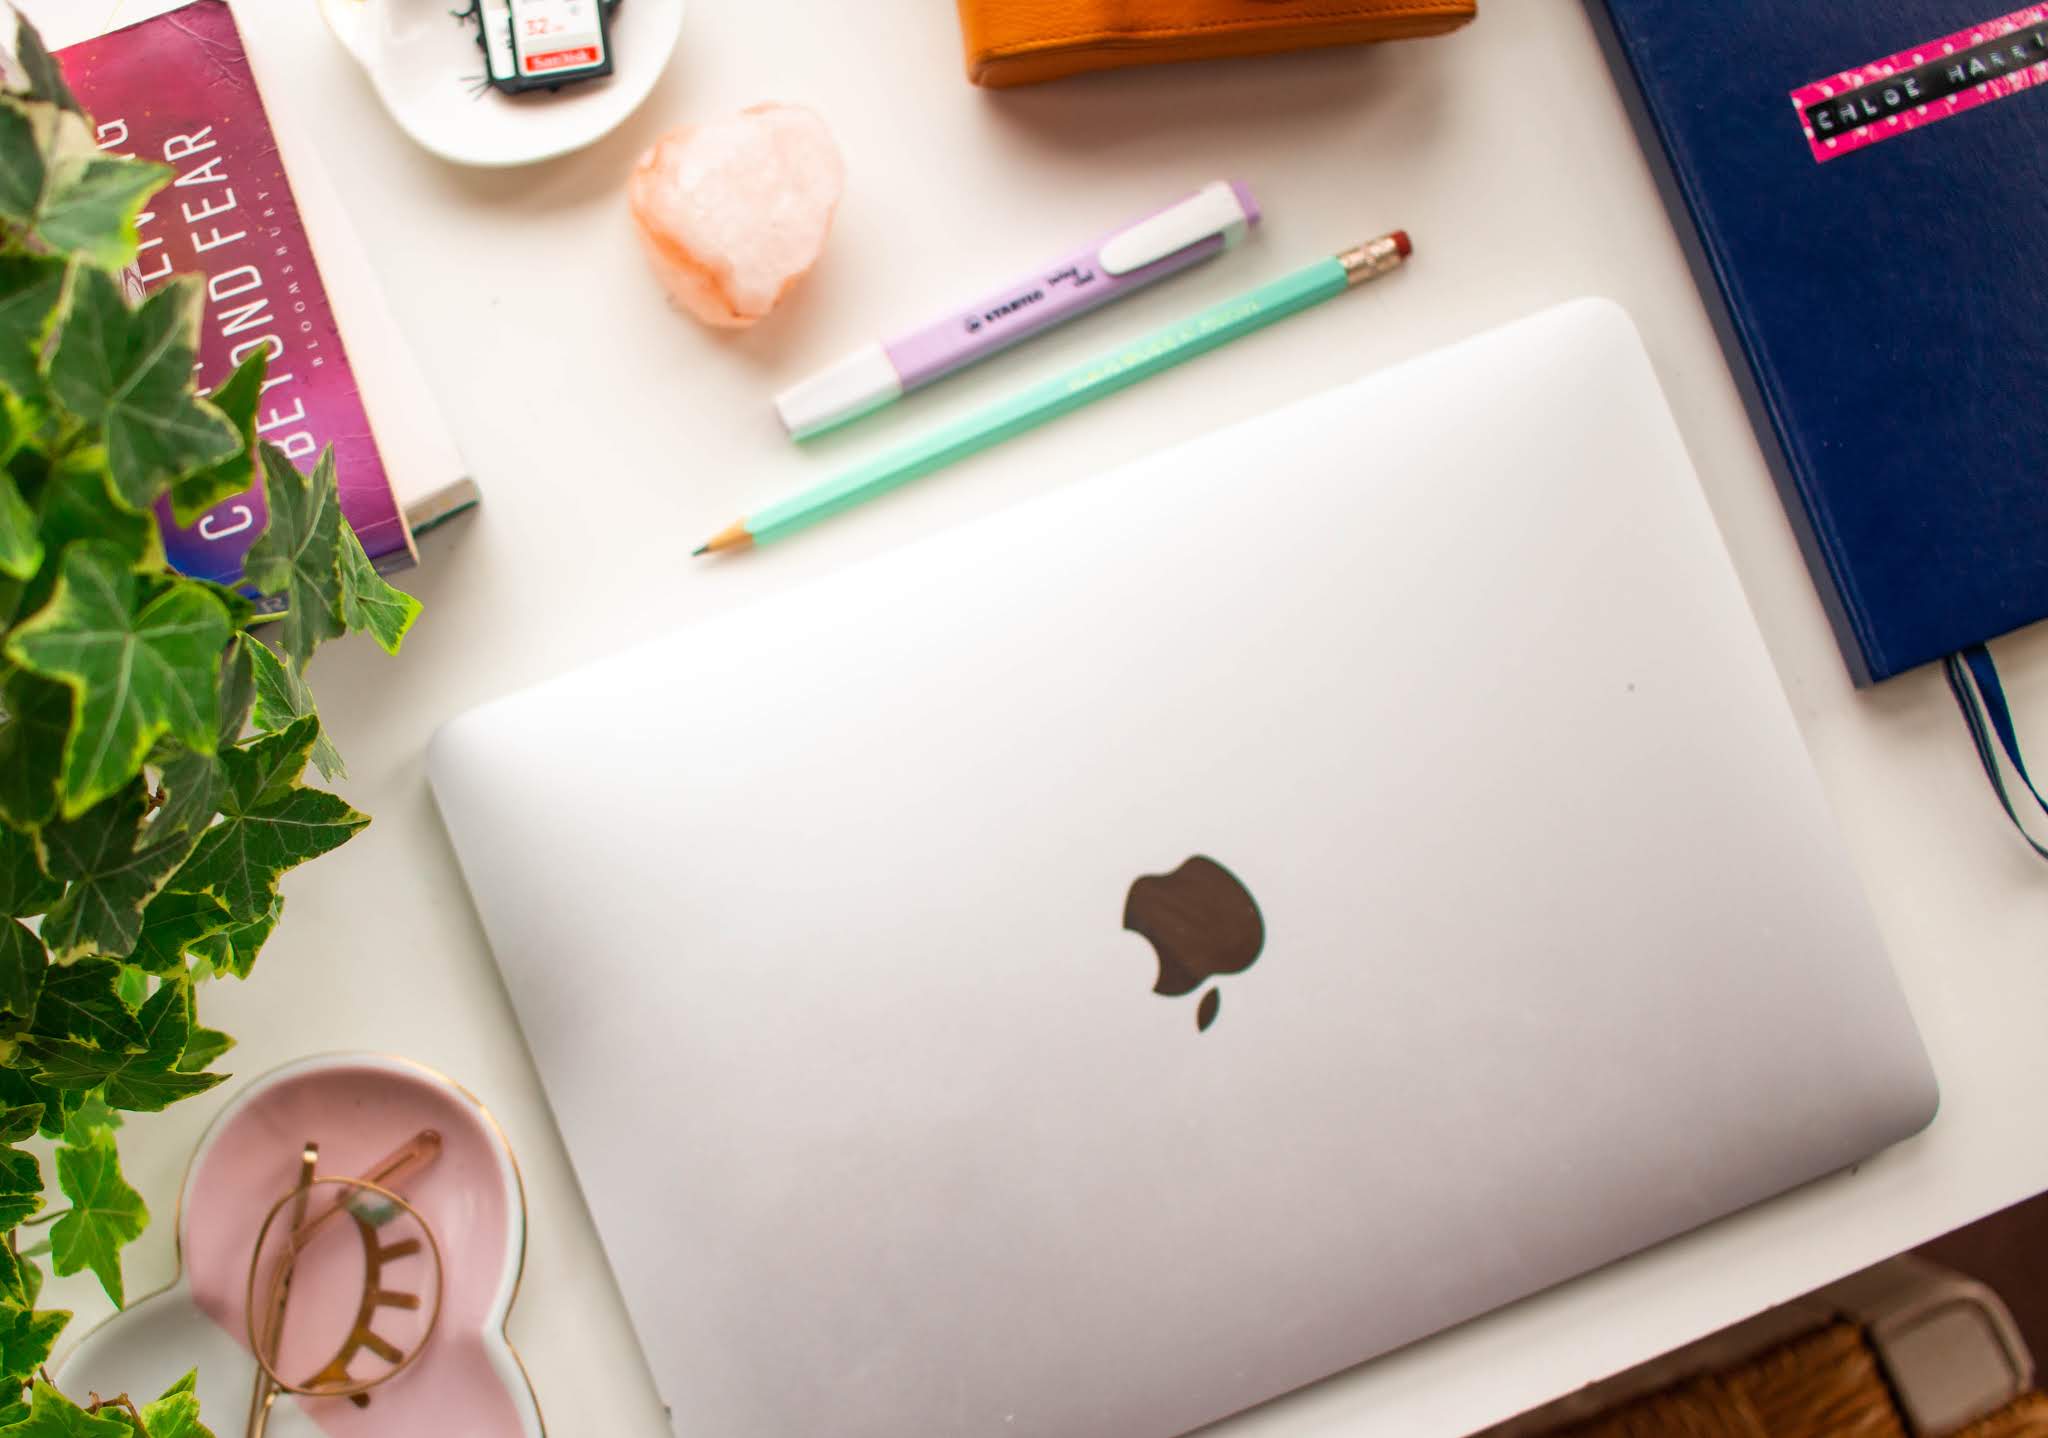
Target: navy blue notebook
pixel 1862 186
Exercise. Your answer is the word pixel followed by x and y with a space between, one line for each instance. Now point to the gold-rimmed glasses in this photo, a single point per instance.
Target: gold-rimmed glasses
pixel 347 1291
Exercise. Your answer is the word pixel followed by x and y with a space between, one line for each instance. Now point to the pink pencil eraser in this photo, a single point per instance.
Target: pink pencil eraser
pixel 736 211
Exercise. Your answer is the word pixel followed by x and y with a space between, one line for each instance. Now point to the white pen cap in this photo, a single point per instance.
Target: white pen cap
pixel 1218 208
pixel 863 381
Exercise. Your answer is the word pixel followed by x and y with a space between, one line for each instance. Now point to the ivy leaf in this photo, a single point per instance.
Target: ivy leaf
pixel 268 824
pixel 14 1277
pixel 32 739
pixel 18 1089
pixel 24 888
pixel 113 865
pixel 136 674
pixel 130 373
pixel 31 290
pixel 237 690
pixel 237 398
pixel 69 197
pixel 267 769
pixel 22 966
pixel 21 1186
pixel 176 1414
pixel 73 498
pixel 92 1113
pixel 202 1049
pixel 26 1336
pixel 192 782
pixel 45 82
pixel 242 859
pixel 148 1081
pixel 52 1415
pixel 21 547
pixel 367 602
pixel 234 950
pixel 240 607
pixel 191 786
pixel 172 927
pixel 20 1123
pixel 31 293
pixel 33 135
pixel 281 698
pixel 105 1215
pixel 81 1001
pixel 20 434
pixel 91 206
pixel 298 556
pixel 77 502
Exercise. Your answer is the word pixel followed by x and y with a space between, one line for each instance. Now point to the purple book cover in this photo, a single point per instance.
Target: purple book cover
pixel 177 89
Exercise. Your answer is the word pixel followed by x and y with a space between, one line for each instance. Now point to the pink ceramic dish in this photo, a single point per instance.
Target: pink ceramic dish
pixel 358 1108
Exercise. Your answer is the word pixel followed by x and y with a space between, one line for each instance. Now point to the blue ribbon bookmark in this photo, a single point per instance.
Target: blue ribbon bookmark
pixel 1973 679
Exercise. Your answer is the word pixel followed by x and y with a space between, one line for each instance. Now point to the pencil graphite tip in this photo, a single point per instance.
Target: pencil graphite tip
pixel 733 536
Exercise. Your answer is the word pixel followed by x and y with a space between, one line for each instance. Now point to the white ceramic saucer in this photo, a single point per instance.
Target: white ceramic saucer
pixel 427 69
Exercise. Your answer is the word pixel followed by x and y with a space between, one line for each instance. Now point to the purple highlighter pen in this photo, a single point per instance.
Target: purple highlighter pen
pixel 1206 223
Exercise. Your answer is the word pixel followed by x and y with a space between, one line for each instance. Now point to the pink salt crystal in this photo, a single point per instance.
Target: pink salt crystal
pixel 735 212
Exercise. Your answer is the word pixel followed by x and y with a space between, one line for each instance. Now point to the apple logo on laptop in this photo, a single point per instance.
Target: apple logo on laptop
pixel 1202 923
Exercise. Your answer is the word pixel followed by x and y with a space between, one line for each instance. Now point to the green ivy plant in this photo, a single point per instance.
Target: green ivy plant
pixel 154 730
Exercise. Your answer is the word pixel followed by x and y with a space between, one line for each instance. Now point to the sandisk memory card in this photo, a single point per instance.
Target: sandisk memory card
pixel 557 41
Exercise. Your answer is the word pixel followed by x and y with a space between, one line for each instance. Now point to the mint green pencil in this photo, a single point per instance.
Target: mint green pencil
pixel 1084 384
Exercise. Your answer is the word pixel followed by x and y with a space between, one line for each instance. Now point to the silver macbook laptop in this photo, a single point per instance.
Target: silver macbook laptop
pixel 1127 958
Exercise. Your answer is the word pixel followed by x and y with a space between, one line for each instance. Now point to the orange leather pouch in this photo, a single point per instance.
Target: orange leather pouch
pixel 1020 42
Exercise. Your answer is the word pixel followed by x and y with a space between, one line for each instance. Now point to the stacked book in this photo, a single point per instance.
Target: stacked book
pixel 285 274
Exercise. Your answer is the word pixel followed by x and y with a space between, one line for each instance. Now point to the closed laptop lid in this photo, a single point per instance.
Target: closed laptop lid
pixel 1129 957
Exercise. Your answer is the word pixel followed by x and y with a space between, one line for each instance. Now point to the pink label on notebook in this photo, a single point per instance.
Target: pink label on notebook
pixel 1892 96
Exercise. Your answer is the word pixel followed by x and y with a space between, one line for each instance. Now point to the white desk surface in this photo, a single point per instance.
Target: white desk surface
pixel 610 434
